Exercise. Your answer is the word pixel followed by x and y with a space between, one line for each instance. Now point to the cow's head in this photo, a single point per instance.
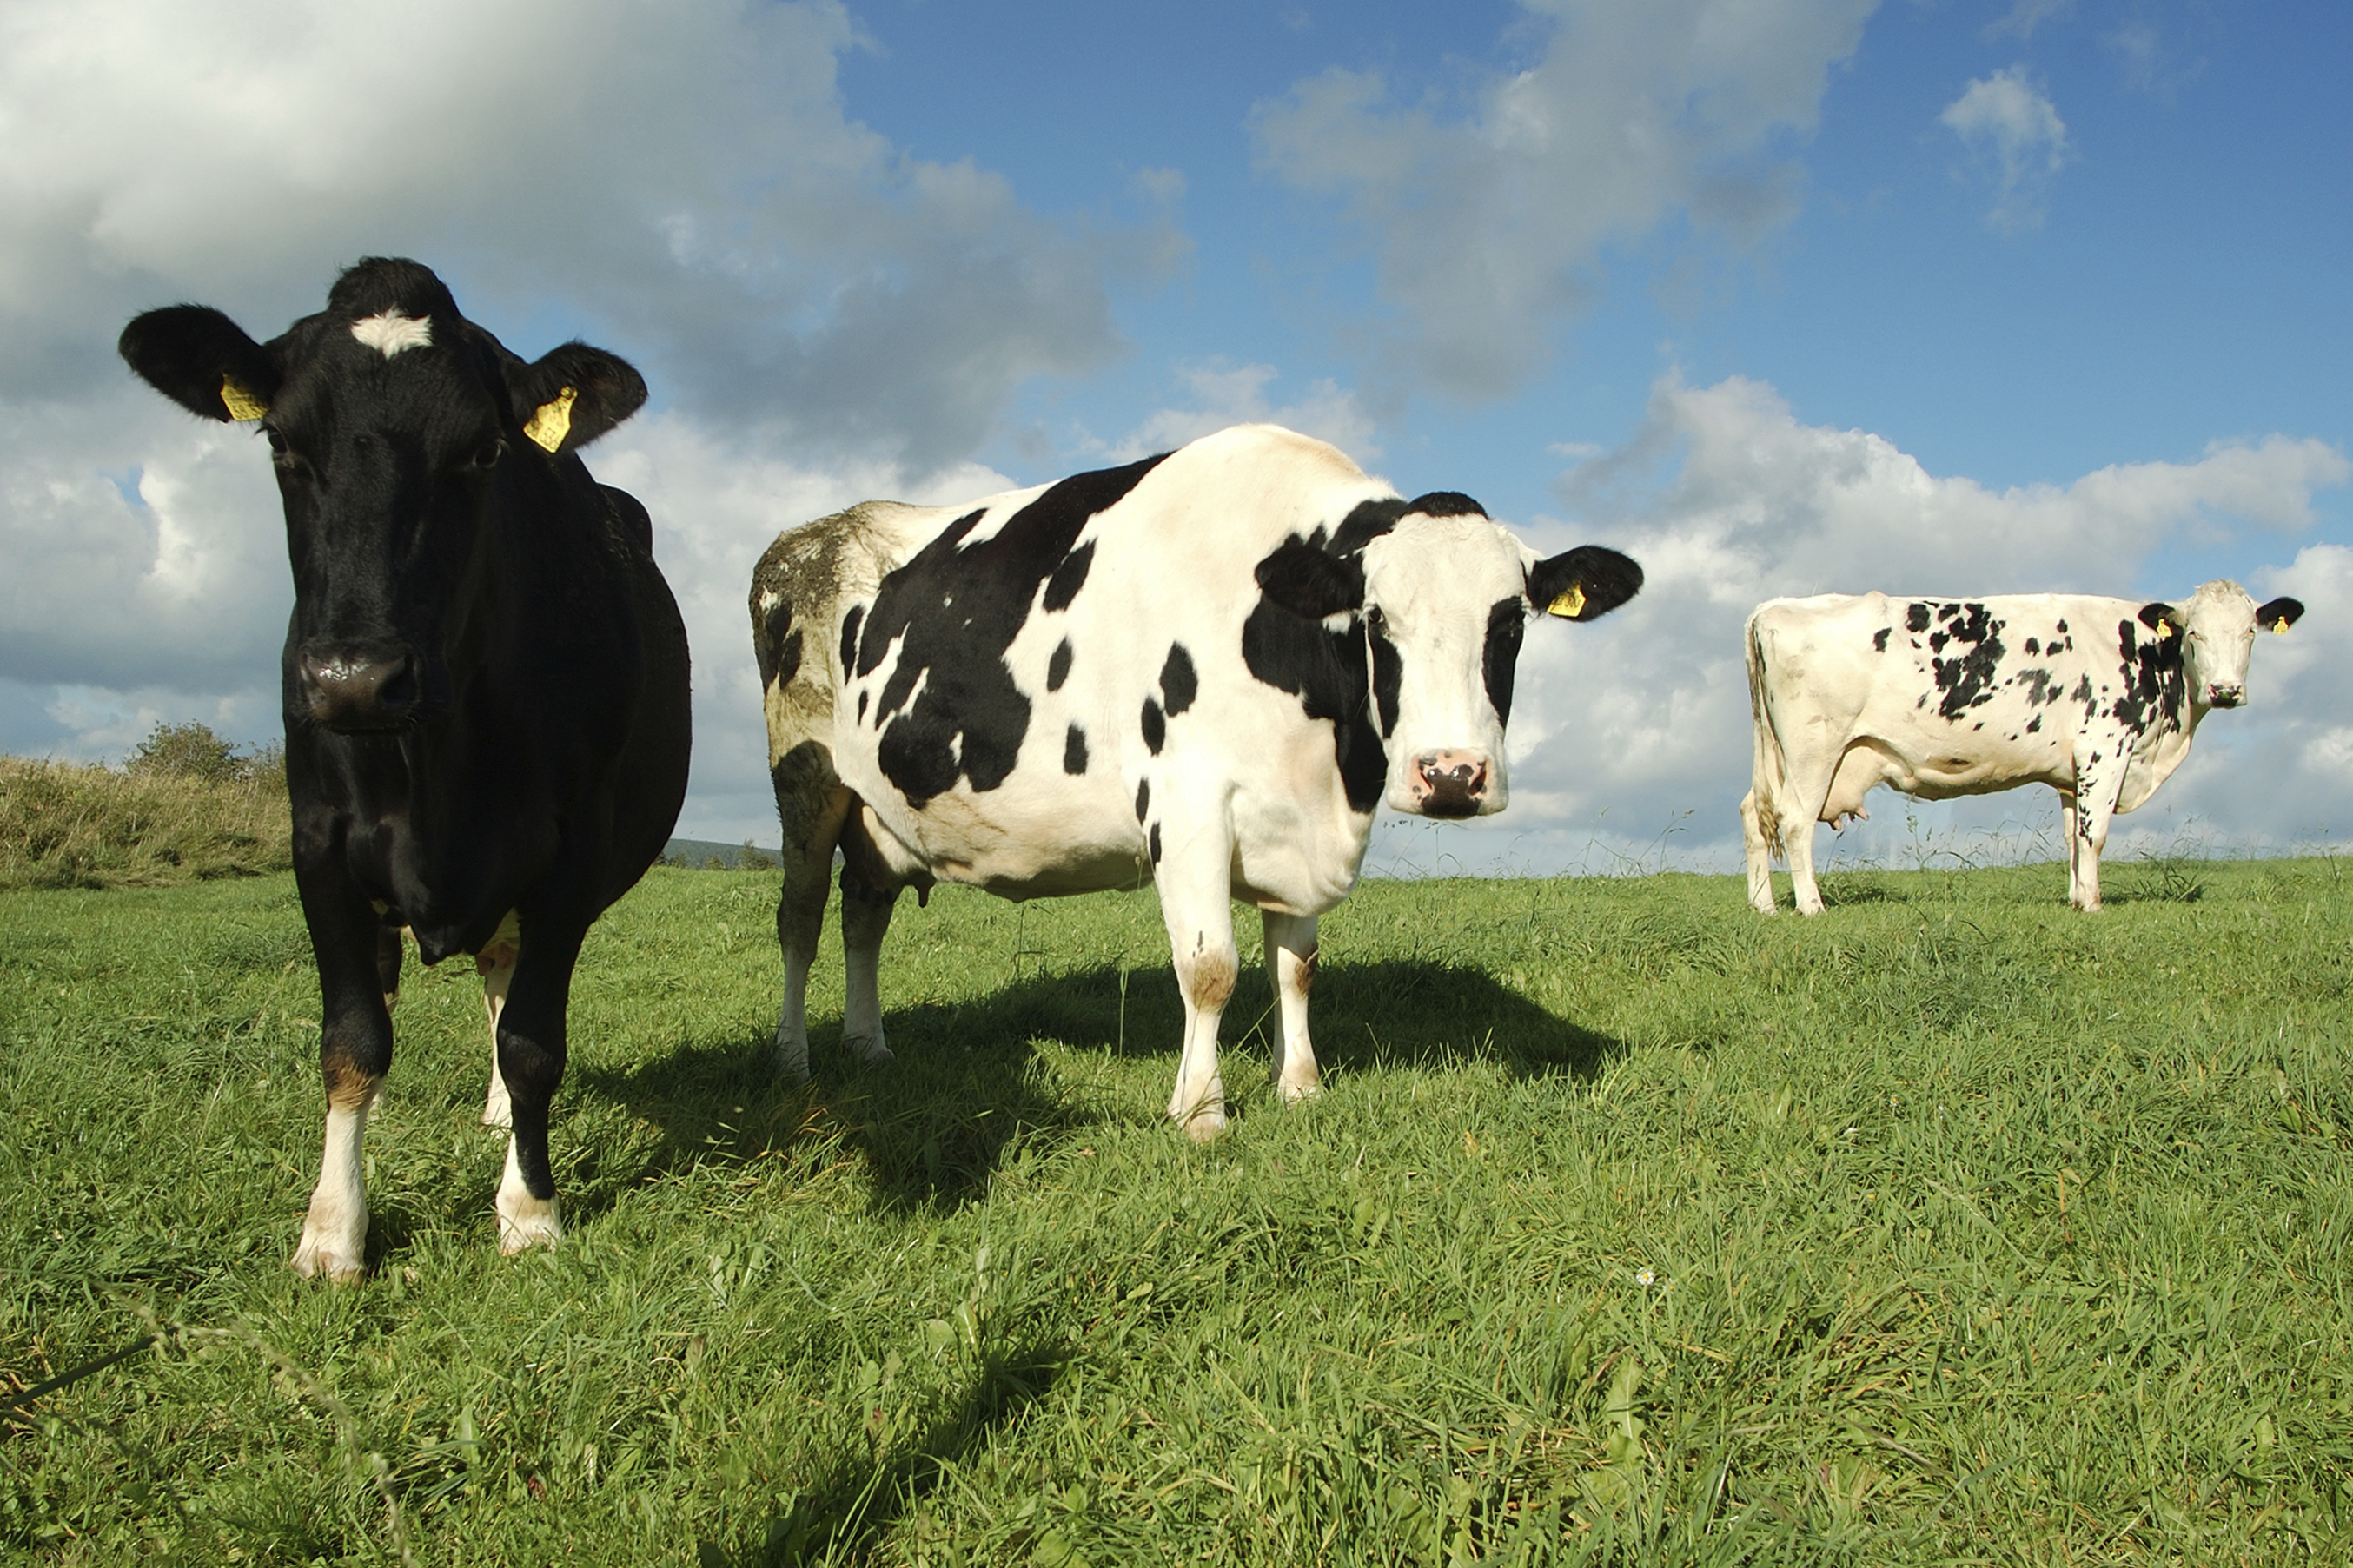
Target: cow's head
pixel 400 433
pixel 1443 596
pixel 2216 629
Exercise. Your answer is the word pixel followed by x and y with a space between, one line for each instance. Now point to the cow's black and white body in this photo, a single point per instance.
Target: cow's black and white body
pixel 1204 670
pixel 485 682
pixel 2096 697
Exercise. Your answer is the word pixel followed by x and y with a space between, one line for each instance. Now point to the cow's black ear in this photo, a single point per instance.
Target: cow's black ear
pixel 1306 582
pixel 573 395
pixel 202 360
pixel 1582 583
pixel 2280 614
pixel 2162 619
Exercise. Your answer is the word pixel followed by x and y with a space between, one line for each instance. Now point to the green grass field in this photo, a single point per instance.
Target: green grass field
pixel 1950 1228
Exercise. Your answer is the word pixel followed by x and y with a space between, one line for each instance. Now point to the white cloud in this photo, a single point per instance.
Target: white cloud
pixel 1727 499
pixel 2023 17
pixel 1226 393
pixel 1487 224
pixel 683 175
pixel 2006 117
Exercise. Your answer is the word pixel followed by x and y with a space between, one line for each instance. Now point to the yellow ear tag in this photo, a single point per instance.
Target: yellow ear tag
pixel 553 423
pixel 240 403
pixel 2279 628
pixel 1568 604
pixel 2164 628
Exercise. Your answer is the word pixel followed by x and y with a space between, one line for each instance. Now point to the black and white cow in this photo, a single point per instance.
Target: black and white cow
pixel 1206 671
pixel 2096 697
pixel 485 682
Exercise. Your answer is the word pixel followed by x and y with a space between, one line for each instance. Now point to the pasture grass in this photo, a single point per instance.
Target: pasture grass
pixel 1952 1226
pixel 81 825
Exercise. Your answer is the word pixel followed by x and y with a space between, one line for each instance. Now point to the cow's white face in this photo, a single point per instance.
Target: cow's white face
pixel 1446 604
pixel 2217 626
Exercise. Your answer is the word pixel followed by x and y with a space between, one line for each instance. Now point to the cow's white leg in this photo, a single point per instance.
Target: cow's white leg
pixel 2097 781
pixel 1760 858
pixel 2067 831
pixel 334 1233
pixel 811 806
pixel 1797 842
pixel 495 963
pixel 1194 878
pixel 1798 807
pixel 865 920
pixel 1291 965
pixel 524 1221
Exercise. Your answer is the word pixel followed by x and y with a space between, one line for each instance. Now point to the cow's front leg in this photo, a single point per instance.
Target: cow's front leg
pixel 2097 781
pixel 2067 831
pixel 531 1051
pixel 865 920
pixel 1291 965
pixel 355 1053
pixel 1194 876
pixel 495 963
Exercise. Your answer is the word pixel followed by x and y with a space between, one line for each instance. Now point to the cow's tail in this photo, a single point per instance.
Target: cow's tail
pixel 1770 776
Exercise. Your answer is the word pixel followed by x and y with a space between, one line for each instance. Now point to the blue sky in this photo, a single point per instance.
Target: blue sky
pixel 1780 295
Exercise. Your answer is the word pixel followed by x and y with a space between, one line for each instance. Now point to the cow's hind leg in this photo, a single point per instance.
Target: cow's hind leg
pixel 531 1051
pixel 811 804
pixel 1197 903
pixel 355 1053
pixel 1760 857
pixel 1291 965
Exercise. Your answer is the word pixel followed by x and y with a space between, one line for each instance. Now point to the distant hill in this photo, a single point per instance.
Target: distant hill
pixel 697 854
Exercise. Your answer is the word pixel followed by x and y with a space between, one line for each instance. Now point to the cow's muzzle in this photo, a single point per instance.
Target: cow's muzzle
pixel 1449 783
pixel 2222 695
pixel 350 691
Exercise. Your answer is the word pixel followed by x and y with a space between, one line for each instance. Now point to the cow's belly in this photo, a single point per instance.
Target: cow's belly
pixel 1014 842
pixel 1921 766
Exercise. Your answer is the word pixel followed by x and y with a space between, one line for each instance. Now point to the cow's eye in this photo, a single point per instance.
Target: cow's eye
pixel 1375 619
pixel 486 455
pixel 280 452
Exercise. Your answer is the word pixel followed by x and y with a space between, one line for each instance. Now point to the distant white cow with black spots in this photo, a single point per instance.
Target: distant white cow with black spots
pixel 1204 670
pixel 2098 697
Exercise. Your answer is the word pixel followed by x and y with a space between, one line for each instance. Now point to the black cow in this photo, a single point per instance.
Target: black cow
pixel 485 681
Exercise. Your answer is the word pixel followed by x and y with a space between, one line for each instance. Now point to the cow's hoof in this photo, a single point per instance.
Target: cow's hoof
pixel 316 1259
pixel 528 1224
pixel 867 1049
pixel 1204 1125
pixel 1298 1093
pixel 499 1112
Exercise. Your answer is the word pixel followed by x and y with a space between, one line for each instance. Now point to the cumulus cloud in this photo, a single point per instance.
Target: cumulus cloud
pixel 1487 223
pixel 2006 119
pixel 683 176
pixel 1727 498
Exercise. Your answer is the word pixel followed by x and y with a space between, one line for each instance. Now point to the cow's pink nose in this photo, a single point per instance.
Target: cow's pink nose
pixel 1449 783
pixel 2225 694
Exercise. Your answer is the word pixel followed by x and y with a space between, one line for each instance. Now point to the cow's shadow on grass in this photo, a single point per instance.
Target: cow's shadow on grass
pixel 845 1514
pixel 966 1085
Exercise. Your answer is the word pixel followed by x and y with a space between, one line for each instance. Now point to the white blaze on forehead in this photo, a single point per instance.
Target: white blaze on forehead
pixel 392 332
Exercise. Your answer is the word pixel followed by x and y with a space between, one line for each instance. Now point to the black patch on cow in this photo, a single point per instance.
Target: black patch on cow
pixel 1367 521
pixel 1178 683
pixel 2083 692
pixel 2283 608
pixel 1916 617
pixel 1143 798
pixel 1507 625
pixel 1155 727
pixel 1325 671
pixel 1154 843
pixel 2035 725
pixel 1879 640
pixel 1074 750
pixel 2155 686
pixel 2063 628
pixel 1446 503
pixel 779 645
pixel 2032 647
pixel 1057 668
pixel 862 706
pixel 1304 578
pixel 849 637
pixel 955 609
pixel 1069 577
pixel 2039 686
pixel 1967 679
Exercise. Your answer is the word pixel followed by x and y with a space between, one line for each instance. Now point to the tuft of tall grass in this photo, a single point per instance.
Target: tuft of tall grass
pixel 74 825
